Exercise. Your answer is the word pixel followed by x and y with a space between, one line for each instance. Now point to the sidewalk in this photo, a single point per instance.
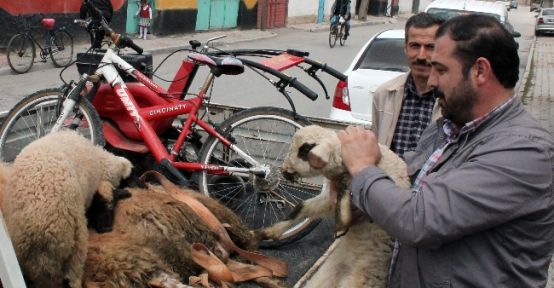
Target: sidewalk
pixel 167 43
pixel 537 92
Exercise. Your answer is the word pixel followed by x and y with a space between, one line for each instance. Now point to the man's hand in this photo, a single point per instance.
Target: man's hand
pixel 359 149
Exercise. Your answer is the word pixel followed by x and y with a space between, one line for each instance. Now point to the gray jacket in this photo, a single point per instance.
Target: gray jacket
pixel 485 218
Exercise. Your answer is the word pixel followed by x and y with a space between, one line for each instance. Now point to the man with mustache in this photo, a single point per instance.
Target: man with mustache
pixel 405 105
pixel 481 209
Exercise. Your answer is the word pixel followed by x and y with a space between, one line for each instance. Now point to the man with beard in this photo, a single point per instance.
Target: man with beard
pixel 481 209
pixel 405 105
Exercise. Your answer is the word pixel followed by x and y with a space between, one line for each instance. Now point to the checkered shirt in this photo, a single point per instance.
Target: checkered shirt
pixel 415 116
pixel 453 134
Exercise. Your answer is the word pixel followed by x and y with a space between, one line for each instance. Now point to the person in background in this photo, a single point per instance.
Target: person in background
pixel 481 210
pixel 342 8
pixel 106 10
pixel 145 17
pixel 405 105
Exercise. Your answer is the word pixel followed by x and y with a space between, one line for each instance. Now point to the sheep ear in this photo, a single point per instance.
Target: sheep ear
pixel 320 155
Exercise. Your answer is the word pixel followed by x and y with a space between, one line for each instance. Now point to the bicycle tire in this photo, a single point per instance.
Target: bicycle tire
pixel 33 117
pixel 333 36
pixel 61 48
pixel 21 53
pixel 342 34
pixel 265 134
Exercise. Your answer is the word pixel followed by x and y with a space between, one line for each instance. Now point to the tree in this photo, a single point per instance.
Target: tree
pixel 362 11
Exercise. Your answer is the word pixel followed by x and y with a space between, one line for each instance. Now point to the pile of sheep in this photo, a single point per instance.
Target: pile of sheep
pixel 50 187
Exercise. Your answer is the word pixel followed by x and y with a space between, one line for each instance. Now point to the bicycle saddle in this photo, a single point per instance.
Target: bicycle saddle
pixel 219 65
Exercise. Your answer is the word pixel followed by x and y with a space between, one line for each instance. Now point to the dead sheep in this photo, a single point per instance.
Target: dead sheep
pixel 52 182
pixel 362 256
pixel 151 241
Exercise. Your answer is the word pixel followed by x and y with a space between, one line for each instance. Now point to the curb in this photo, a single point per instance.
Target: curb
pixel 525 77
pixel 325 25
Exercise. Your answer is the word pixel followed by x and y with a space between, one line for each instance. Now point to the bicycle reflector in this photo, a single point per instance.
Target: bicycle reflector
pixel 48 23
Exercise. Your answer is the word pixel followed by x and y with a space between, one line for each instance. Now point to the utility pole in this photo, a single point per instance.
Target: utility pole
pixel 264 14
pixel 415 6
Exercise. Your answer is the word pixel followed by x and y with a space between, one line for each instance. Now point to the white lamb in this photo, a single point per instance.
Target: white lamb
pixel 362 257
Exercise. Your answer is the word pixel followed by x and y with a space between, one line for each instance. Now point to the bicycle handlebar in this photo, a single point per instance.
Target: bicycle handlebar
pixel 302 88
pixel 284 79
pixel 330 70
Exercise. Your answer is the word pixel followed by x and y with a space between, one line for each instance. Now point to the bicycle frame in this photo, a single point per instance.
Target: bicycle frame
pixel 141 117
pixel 43 50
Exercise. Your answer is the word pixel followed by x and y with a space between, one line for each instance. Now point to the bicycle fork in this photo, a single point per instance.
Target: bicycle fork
pixel 69 103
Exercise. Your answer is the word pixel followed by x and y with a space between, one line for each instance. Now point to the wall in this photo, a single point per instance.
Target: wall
pixel 248 13
pixel 302 11
pixel 170 16
pixel 305 11
pixel 174 16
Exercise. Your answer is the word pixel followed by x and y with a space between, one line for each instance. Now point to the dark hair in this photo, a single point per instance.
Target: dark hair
pixel 484 36
pixel 421 20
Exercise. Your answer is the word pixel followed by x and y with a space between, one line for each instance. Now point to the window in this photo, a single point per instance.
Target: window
pixel 384 54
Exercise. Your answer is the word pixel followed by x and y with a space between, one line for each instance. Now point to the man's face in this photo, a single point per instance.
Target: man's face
pixel 419 48
pixel 455 92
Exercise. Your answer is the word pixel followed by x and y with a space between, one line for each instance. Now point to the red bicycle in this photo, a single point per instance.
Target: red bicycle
pixel 239 161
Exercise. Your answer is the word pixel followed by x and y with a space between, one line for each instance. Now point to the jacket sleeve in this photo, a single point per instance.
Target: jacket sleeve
pixel 503 179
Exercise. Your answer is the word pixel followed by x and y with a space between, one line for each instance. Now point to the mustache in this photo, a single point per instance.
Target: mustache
pixel 438 93
pixel 421 62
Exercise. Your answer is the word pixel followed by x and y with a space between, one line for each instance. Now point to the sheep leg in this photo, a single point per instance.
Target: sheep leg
pixel 164 280
pixel 343 214
pixel 315 207
pixel 74 266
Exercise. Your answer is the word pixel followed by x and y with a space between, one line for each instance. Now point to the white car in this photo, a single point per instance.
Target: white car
pixel 381 59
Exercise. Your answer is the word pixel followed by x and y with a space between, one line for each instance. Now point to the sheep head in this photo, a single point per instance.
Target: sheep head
pixel 314 151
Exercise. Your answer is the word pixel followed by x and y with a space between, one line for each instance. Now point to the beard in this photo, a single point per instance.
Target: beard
pixel 459 106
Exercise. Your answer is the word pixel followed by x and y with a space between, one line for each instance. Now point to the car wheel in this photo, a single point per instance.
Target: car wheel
pixel 537 33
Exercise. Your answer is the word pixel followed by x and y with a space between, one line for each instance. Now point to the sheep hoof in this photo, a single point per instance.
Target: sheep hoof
pixel 341 232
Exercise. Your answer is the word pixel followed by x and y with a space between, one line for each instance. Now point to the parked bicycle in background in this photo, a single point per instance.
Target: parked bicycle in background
pixel 21 50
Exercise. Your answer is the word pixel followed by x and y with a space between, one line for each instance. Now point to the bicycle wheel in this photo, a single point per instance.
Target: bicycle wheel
pixel 265 134
pixel 34 116
pixel 61 48
pixel 342 34
pixel 333 36
pixel 21 53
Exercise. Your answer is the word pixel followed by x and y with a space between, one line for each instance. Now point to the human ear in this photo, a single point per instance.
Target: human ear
pixel 482 70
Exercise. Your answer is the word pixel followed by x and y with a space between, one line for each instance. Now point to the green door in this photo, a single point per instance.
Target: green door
pixel 132 20
pixel 217 14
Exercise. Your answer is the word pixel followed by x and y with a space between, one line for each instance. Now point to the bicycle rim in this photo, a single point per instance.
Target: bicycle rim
pixel 34 116
pixel 333 36
pixel 61 48
pixel 341 35
pixel 21 53
pixel 264 134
